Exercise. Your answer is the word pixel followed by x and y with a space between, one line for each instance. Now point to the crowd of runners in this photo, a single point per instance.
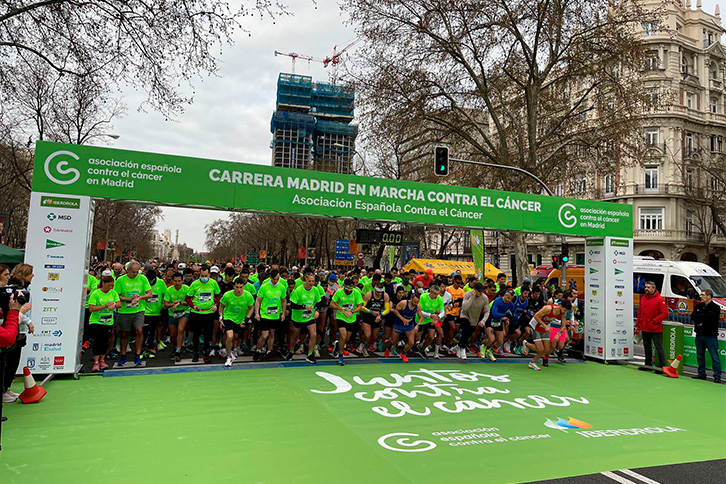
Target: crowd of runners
pixel 226 311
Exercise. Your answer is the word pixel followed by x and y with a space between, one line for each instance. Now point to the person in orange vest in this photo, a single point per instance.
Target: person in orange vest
pixel 650 323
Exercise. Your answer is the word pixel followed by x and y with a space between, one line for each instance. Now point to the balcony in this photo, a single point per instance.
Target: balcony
pixel 672 236
pixel 690 78
pixel 715 84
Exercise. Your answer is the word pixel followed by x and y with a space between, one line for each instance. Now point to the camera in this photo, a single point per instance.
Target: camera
pixel 22 295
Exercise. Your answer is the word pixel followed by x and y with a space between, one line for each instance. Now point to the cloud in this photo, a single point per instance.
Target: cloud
pixel 230 116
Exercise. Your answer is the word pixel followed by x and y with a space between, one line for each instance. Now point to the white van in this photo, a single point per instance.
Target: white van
pixel 680 284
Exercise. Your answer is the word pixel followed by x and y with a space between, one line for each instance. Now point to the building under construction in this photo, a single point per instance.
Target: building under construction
pixel 311 126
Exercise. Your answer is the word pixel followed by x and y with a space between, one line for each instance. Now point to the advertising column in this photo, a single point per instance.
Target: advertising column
pixel 595 298
pixel 619 283
pixel 57 243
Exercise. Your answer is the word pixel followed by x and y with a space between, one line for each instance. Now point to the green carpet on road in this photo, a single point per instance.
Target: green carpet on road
pixel 472 422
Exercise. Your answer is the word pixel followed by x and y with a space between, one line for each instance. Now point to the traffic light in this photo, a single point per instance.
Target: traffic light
pixel 441 161
pixel 556 261
pixel 565 253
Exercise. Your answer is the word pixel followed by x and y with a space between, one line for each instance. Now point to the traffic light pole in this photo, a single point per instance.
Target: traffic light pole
pixel 505 167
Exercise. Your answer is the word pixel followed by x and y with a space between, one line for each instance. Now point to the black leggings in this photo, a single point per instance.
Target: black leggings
pixel 100 333
pixel 466 331
pixel 201 324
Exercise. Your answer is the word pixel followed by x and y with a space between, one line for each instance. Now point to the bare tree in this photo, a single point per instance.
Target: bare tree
pixel 543 85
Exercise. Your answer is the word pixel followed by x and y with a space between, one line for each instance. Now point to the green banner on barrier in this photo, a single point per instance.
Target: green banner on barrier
pixel 689 348
pixel 168 179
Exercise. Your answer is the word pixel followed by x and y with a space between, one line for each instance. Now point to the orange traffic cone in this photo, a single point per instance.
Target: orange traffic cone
pixel 33 392
pixel 672 370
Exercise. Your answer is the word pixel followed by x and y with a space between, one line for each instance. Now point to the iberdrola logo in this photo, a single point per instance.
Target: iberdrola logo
pixel 564 425
pixel 475 240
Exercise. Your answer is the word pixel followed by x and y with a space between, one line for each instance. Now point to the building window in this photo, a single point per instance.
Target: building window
pixel 651 177
pixel 651 136
pixel 559 190
pixel 650 28
pixel 652 60
pixel 689 223
pixel 716 143
pixel 713 105
pixel 689 144
pixel 689 100
pixel 689 179
pixel 651 219
pixel 609 183
pixel 579 185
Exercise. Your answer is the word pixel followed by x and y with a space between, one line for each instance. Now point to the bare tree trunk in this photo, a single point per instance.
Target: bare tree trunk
pixel 717 219
pixel 379 256
pixel 520 252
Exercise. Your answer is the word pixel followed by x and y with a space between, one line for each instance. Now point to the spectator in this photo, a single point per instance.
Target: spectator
pixel 426 278
pixel 650 322
pixel 705 321
pixel 21 275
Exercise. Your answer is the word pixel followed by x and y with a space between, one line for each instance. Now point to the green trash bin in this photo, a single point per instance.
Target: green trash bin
pixel 672 342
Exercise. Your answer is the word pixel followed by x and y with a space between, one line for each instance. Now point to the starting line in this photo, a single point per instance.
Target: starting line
pixel 412 423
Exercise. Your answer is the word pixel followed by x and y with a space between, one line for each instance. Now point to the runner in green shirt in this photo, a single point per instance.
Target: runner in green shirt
pixel 235 309
pixel 433 311
pixel 304 302
pixel 348 303
pixel 175 303
pixel 203 297
pixel 269 310
pixel 244 275
pixel 90 287
pixel 152 313
pixel 133 289
pixel 101 304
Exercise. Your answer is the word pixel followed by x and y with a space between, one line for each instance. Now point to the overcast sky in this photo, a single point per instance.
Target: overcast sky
pixel 230 117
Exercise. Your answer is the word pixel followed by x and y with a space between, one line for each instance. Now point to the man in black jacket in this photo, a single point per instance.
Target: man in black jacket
pixel 705 320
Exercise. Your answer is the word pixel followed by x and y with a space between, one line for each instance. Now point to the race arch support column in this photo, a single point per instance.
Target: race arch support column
pixel 57 246
pixel 608 298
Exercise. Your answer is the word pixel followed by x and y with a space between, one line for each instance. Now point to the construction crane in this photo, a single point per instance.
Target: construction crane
pixel 333 60
pixel 295 56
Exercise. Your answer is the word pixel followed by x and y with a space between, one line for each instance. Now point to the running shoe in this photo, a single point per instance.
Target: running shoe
pixel 341 361
pixel 316 352
pixel 506 348
pixel 195 358
pixel 288 356
pixel 122 361
pixel 10 397
pixel 371 348
pixel 228 363
pixel 311 359
pixel 177 357
pixel 111 355
pixel 243 347
pixel 96 366
pixel 461 354
pixel 335 349
pixel 404 358
pixel 205 358
pixel 436 355
pixel 234 357
pixel 137 360
pixel 525 350
pixel 150 355
pixel 364 351
pixel 387 353
pixel 422 352
pixel 534 366
pixel 561 358
pixel 394 351
pixel 545 361
pixel 256 356
pixel 269 357
pixel 496 352
pixel 161 346
pixel 104 365
pixel 223 353
pixel 300 350
pixel 490 355
pixel 212 353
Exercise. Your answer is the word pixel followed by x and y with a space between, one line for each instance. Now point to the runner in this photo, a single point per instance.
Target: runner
pixel 426 278
pixel 520 324
pixel 500 314
pixel 175 303
pixel 188 274
pixel 432 310
pixel 491 294
pixel 376 305
pixel 91 286
pixel 474 307
pixel 133 288
pixel 406 282
pixel 102 303
pixel 202 297
pixel 541 329
pixel 451 321
pixel 305 302
pixel 326 312
pixel 235 309
pixel 408 313
pixel 501 281
pixel 348 303
pixel 558 333
pixel 153 326
pixel 270 307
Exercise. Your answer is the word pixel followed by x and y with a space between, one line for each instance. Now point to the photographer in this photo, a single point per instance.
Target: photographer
pixel 20 277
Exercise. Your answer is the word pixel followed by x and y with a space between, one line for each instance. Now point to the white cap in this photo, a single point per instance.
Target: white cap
pixel 182 265
pixel 107 272
pixel 294 268
pixel 214 269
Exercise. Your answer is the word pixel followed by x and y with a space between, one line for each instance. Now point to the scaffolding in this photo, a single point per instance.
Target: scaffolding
pixel 294 91
pixel 332 100
pixel 334 146
pixel 292 141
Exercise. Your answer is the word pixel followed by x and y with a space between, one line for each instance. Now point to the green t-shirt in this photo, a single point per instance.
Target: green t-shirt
pixel 92 286
pixel 126 287
pixel 364 280
pixel 249 287
pixel 397 280
pixel 203 294
pixel 305 298
pixel 347 302
pixel 367 287
pixel 298 282
pixel 431 306
pixel 236 307
pixel 254 278
pixel 99 298
pixel 173 295
pixel 271 299
pixel 154 305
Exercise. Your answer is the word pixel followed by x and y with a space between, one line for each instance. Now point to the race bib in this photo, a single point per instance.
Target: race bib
pixel 205 297
pixel 307 314
pixel 348 307
pixel 179 314
pixel 130 305
pixel 272 310
pixel 496 324
pixel 154 299
pixel 105 318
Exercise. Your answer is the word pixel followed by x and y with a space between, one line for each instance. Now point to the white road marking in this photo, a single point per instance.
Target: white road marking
pixel 617 478
pixel 640 477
